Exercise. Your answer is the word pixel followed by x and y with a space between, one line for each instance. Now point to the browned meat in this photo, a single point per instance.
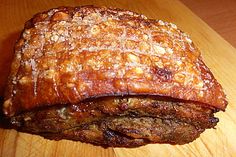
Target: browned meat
pixel 131 132
pixel 148 119
pixel 110 77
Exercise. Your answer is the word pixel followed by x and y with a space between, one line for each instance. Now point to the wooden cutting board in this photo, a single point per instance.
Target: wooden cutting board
pixel 217 53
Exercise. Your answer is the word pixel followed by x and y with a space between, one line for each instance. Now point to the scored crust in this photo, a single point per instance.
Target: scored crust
pixel 66 55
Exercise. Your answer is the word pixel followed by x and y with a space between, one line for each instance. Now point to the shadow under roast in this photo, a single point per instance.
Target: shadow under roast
pixel 3 119
pixel 6 56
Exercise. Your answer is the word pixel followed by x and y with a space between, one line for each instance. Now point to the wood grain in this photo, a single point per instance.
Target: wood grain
pixel 219 55
pixel 219 16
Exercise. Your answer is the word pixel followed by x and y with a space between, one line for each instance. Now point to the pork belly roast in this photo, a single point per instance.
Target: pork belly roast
pixel 110 77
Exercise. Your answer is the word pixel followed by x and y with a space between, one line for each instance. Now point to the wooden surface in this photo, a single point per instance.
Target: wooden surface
pixel 219 15
pixel 219 55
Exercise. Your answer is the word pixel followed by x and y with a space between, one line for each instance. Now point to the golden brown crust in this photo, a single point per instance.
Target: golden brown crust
pixel 66 55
